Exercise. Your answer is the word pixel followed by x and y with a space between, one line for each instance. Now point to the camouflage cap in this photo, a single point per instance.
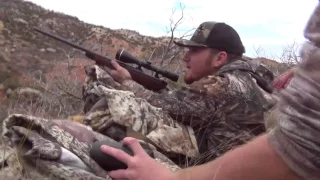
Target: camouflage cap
pixel 215 35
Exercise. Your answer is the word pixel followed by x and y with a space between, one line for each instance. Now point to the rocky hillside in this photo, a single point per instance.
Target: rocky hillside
pixel 28 57
pixel 24 51
pixel 276 67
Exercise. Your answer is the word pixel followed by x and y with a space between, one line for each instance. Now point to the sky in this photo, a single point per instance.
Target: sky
pixel 265 27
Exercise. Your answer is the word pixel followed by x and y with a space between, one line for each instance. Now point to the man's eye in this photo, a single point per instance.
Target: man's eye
pixel 194 49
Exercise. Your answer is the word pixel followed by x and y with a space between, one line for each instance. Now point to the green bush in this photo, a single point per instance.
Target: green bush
pixel 11 83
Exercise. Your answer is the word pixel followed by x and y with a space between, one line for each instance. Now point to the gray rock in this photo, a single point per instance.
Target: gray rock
pixel 20 20
pixel 51 50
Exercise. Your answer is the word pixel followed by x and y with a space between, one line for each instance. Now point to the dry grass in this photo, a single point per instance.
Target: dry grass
pixel 58 98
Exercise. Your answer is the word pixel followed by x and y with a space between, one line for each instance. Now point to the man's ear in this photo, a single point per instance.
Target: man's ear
pixel 220 59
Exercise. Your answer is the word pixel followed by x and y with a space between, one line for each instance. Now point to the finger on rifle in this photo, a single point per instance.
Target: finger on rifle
pixel 116 153
pixel 107 69
pixel 119 174
pixel 115 65
pixel 134 145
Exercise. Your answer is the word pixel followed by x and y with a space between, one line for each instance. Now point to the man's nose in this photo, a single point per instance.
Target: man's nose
pixel 186 57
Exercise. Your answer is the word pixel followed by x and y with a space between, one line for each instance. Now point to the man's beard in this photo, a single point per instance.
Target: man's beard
pixel 188 79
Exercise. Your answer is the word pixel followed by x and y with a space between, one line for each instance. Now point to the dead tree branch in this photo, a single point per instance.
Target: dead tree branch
pixel 169 53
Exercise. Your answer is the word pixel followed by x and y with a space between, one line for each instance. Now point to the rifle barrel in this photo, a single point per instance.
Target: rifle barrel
pixel 63 40
pixel 150 82
pixel 87 51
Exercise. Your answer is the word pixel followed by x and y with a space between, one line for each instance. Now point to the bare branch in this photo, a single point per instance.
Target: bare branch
pixel 152 54
pixel 188 33
pixel 173 27
pixel 259 51
pixel 170 52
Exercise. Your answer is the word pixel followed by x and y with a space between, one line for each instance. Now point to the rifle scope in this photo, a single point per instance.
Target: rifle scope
pixel 126 57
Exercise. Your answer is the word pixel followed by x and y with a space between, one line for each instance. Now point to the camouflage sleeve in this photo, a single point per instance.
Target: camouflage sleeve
pixel 296 135
pixel 211 98
pixel 137 89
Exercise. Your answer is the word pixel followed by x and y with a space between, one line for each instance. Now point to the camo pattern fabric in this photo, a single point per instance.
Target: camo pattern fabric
pixel 199 37
pixel 110 111
pixel 296 133
pixel 211 34
pixel 38 148
pixel 225 109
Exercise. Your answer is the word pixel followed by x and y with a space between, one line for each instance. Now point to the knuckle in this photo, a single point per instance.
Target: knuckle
pixel 134 162
pixel 131 141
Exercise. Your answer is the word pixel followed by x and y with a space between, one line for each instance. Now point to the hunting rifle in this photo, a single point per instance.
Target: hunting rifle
pixel 123 57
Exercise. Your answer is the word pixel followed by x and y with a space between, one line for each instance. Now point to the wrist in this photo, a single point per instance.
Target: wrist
pixel 175 176
pixel 181 174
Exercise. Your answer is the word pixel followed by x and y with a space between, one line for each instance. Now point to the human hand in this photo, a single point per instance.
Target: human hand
pixel 283 80
pixel 119 74
pixel 140 166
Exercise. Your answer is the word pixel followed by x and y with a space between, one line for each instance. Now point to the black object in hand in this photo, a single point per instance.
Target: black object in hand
pixel 107 162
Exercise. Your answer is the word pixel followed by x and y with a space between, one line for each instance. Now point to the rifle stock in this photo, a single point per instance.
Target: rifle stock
pixel 149 82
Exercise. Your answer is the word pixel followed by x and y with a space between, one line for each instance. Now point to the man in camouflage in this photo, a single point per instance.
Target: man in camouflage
pixel 290 151
pixel 60 148
pixel 117 113
pixel 226 97
pixel 39 148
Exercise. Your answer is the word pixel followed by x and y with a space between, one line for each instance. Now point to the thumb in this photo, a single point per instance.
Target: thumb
pixel 115 65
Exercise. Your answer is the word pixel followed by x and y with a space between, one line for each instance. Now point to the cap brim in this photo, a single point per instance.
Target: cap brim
pixel 187 43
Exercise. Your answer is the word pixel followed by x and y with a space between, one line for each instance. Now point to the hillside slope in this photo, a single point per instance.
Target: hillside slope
pixel 22 50
pixel 24 53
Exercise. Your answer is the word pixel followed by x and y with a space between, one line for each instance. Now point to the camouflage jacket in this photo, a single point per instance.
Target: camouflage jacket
pixel 224 109
pixel 38 148
pixel 295 136
pixel 118 113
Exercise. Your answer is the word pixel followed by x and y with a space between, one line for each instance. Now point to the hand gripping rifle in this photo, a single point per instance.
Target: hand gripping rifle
pixel 123 57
